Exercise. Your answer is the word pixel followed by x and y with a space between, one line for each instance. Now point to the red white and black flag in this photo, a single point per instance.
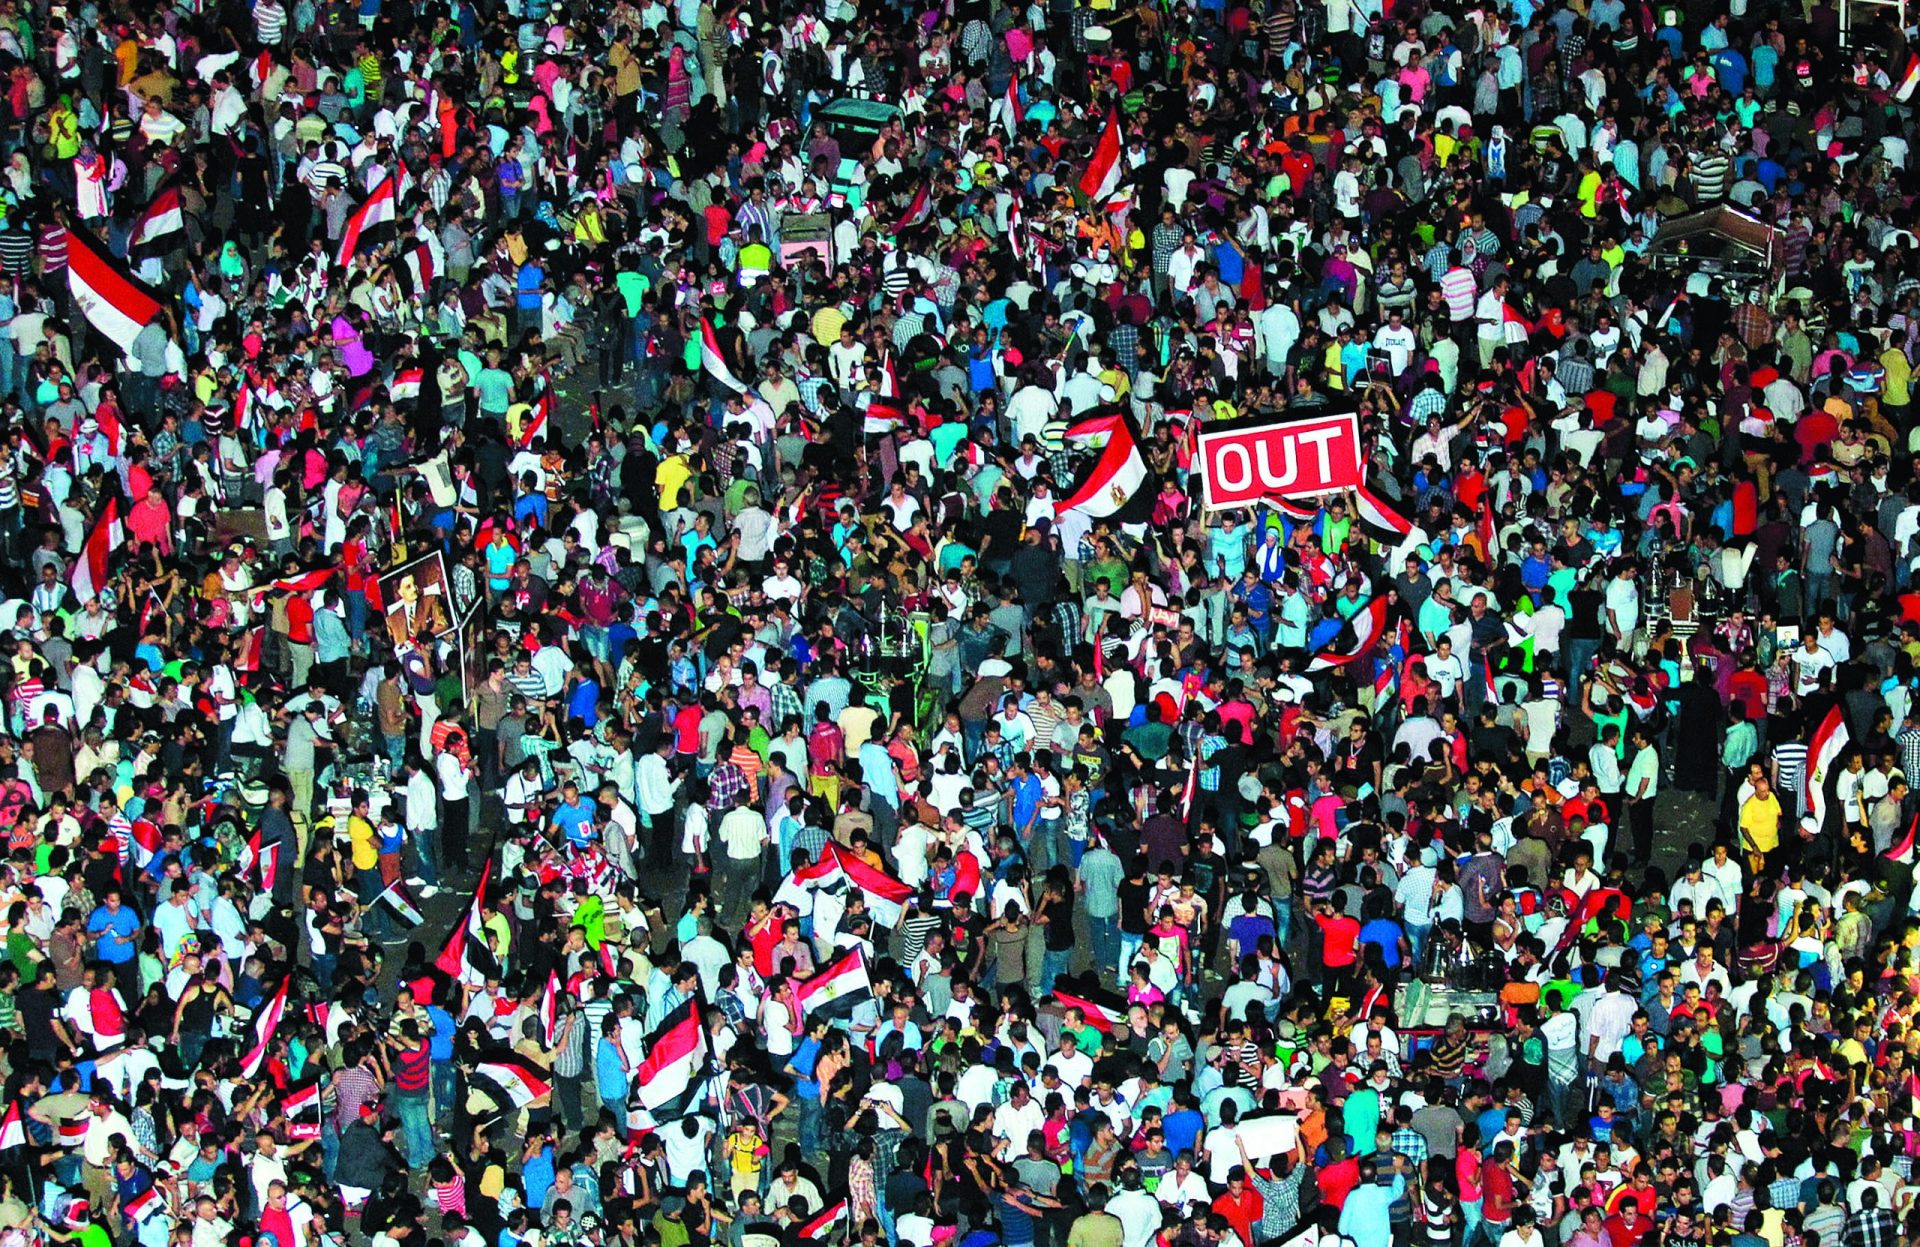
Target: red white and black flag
pixel 670 1077
pixel 521 1082
pixel 370 219
pixel 415 271
pixel 838 989
pixel 824 1224
pixel 1113 485
pixel 111 298
pixel 264 1025
pixel 466 956
pixel 89 572
pixel 303 1112
pixel 165 215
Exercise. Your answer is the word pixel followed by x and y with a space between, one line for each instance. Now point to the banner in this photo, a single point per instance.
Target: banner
pixel 1291 459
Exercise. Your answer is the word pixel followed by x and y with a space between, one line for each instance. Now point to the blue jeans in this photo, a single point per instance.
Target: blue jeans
pixel 443 1083
pixel 808 1133
pixel 366 883
pixel 1106 942
pixel 1129 949
pixel 416 1128
pixel 1053 964
pixel 429 863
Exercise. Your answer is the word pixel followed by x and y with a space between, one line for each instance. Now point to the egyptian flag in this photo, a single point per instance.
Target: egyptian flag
pixel 1823 752
pixel 1379 520
pixel 415 272
pixel 550 1007
pixel 299 582
pixel 405 385
pixel 165 215
pixel 1367 626
pixel 148 1203
pixel 918 211
pixel 89 572
pixel 838 989
pixel 73 1132
pixel 521 1082
pixel 264 1025
pixel 258 853
pixel 466 955
pixel 714 362
pixel 534 423
pixel 886 896
pixel 1115 485
pixel 13 1128
pixel 298 1107
pixel 1103 1017
pixel 1909 81
pixel 381 209
pixel 829 1219
pixel 1493 686
pixel 139 842
pixel 1012 112
pixel 889 377
pixel 1900 855
pixel 1386 684
pixel 112 300
pixel 401 906
pixel 243 405
pixel 1102 178
pixel 668 1081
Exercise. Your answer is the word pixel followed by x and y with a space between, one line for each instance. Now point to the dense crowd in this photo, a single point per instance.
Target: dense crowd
pixel 617 636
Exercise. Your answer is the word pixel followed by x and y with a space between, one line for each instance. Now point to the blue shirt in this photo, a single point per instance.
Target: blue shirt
pixel 1183 1129
pixel 576 820
pixel 1365 1216
pixel 440 1047
pixel 537 1176
pixel 876 768
pixel 804 1059
pixel 118 934
pixel 609 1075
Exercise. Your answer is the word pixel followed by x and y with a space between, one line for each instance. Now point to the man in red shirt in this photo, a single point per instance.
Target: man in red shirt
pixel 1339 942
pixel 1241 1205
pixel 1627 1227
pixel 1339 1175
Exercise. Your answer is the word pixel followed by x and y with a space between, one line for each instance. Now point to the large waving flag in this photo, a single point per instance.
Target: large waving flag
pixel 668 1080
pixel 838 989
pixel 520 1081
pixel 1367 626
pixel 13 1128
pixel 534 423
pixel 1829 742
pixel 165 215
pixel 1102 178
pixel 466 955
pixel 264 1025
pixel 885 895
pixel 105 292
pixel 89 572
pixel 1012 111
pixel 714 362
pixel 415 271
pixel 1115 483
pixel 919 209
pixel 382 208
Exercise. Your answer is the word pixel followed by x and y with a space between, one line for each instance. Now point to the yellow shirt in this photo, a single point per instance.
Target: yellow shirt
pixel 1899 387
pixel 1590 195
pixel 670 478
pixel 1760 822
pixel 366 849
